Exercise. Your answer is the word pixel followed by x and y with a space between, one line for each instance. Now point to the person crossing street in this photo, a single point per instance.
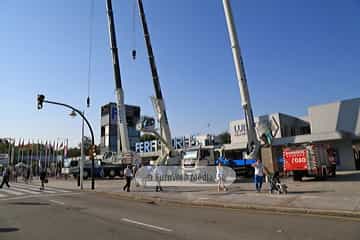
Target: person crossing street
pixel 128 176
pixel 5 180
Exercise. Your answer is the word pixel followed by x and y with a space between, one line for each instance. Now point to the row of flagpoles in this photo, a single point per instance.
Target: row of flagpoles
pixel 43 153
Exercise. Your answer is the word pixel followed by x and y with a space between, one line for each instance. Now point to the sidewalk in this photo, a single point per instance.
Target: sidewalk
pixel 339 196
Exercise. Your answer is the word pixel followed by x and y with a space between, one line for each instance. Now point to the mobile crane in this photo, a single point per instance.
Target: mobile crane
pixel 253 146
pixel 167 150
pixel 124 154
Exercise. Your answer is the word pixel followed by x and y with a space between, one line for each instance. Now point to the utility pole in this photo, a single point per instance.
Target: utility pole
pixel 123 144
pixel 82 156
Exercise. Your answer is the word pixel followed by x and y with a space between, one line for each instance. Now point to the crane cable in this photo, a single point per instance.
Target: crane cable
pixel 91 23
pixel 133 31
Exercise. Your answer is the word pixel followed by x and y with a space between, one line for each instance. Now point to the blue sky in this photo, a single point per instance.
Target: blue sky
pixel 296 53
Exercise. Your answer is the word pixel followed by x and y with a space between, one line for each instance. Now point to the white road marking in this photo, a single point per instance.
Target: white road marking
pixel 24 190
pixel 32 188
pixel 57 202
pixel 11 192
pixel 55 189
pixel 147 225
pixel 39 196
pixel 2 195
pixel 309 197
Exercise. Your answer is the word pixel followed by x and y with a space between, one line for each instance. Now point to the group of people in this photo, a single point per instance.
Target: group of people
pixel 259 172
pixel 130 172
pixel 7 173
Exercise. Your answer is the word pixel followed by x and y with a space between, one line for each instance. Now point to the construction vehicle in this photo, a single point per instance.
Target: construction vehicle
pixel 194 157
pixel 124 155
pixel 253 146
pixel 310 160
pixel 168 154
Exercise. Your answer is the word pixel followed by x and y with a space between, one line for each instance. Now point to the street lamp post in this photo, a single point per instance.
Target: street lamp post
pixel 82 160
pixel 41 100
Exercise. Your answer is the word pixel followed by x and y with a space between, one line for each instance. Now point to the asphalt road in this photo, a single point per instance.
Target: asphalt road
pixel 103 217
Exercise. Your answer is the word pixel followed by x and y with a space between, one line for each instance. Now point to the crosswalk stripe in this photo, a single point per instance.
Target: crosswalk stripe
pixel 58 190
pixel 32 188
pixel 11 192
pixel 2 195
pixel 25 190
pixel 47 188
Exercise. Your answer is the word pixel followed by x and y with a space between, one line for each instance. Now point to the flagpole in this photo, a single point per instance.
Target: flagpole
pixel 46 156
pixel 31 160
pixel 22 151
pixel 39 152
pixel 18 152
pixel 53 158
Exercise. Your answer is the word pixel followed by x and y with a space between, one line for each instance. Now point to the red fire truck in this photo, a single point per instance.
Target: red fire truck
pixel 313 160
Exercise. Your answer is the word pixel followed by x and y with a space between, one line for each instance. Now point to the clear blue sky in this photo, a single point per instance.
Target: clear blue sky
pixel 296 53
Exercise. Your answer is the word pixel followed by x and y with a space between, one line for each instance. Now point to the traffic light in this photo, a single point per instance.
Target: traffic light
pixel 40 101
pixel 92 150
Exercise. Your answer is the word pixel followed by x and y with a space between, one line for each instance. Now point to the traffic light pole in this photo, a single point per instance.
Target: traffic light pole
pixel 41 100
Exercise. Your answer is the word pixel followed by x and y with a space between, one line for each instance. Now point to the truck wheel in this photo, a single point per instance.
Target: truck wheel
pixel 86 175
pixel 324 174
pixel 249 172
pixel 333 171
pixel 297 177
pixel 112 173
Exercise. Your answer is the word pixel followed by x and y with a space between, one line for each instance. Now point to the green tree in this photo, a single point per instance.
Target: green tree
pixel 223 138
pixel 74 152
pixel 87 144
pixel 4 147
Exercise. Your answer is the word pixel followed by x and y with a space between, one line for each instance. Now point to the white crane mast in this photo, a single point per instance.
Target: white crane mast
pixel 253 142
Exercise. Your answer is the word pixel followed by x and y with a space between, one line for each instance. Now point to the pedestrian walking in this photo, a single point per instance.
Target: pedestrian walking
pixel 259 174
pixel 158 174
pixel 15 174
pixel 43 179
pixel 128 176
pixel 27 178
pixel 220 177
pixel 5 180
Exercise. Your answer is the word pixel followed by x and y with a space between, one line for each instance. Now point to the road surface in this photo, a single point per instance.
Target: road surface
pixel 104 217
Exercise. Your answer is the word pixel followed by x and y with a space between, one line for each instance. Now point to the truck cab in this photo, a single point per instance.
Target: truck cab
pixel 195 157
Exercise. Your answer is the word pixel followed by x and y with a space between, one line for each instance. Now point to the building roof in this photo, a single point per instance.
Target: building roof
pixel 314 137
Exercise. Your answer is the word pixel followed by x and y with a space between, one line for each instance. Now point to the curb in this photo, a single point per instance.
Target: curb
pixel 277 209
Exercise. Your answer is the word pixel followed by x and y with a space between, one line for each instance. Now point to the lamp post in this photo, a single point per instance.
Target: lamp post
pixel 82 160
pixel 41 100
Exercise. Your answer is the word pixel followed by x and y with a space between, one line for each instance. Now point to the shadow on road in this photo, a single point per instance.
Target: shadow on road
pixel 303 192
pixel 7 230
pixel 346 177
pixel 29 203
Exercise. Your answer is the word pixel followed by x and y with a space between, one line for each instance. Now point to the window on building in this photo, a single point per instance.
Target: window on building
pixel 292 131
pixel 102 131
pixel 105 110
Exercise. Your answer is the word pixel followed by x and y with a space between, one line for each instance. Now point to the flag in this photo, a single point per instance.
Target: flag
pixel 65 150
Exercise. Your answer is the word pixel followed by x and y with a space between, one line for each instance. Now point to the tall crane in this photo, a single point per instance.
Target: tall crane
pixel 253 142
pixel 123 144
pixel 158 100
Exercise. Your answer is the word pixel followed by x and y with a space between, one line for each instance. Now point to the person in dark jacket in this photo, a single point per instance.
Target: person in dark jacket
pixel 42 179
pixel 6 176
pixel 128 176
